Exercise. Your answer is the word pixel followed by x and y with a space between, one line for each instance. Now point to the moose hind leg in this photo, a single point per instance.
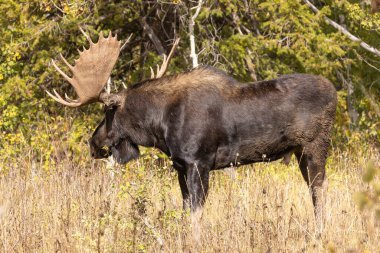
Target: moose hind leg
pixel 312 165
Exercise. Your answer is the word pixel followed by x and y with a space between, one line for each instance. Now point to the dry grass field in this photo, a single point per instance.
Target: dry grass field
pixel 95 207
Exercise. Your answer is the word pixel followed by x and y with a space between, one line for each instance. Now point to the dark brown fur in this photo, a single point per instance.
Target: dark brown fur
pixel 206 120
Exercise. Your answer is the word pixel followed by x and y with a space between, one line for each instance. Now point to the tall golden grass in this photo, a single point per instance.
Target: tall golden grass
pixel 98 207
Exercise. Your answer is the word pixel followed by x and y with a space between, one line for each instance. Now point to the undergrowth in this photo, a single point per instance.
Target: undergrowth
pixel 81 205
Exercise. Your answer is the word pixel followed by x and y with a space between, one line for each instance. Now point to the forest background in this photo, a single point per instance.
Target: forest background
pixel 251 40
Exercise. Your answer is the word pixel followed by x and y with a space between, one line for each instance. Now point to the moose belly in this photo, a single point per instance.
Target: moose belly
pixel 253 151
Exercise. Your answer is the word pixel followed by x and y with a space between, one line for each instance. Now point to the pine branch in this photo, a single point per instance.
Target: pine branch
pixel 345 31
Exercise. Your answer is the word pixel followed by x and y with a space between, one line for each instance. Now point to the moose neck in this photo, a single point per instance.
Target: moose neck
pixel 141 119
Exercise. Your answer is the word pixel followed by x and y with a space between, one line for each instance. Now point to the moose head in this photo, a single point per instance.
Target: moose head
pixel 89 77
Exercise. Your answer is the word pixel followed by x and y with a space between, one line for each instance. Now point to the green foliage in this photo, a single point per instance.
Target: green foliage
pixel 260 39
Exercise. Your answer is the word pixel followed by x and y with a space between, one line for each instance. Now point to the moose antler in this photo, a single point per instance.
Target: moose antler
pixel 162 69
pixel 90 72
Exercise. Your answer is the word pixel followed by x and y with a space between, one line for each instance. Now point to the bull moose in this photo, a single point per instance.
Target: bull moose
pixel 206 120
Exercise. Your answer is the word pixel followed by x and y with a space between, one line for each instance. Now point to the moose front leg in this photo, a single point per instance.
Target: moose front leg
pixel 197 179
pixel 184 190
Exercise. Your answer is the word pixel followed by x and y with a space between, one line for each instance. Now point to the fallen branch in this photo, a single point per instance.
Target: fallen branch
pixel 345 31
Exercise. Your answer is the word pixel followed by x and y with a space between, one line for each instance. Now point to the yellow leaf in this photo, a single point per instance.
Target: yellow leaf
pixel 66 9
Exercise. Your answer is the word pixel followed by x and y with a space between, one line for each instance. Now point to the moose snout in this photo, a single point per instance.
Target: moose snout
pixel 98 152
pixel 94 151
pixel 92 154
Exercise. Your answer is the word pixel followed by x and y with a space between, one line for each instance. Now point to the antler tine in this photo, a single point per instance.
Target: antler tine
pixel 61 72
pixel 70 99
pixel 158 67
pixel 175 44
pixel 86 35
pixel 58 96
pixel 163 65
pixel 151 73
pixel 161 71
pixel 66 62
pixel 59 99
